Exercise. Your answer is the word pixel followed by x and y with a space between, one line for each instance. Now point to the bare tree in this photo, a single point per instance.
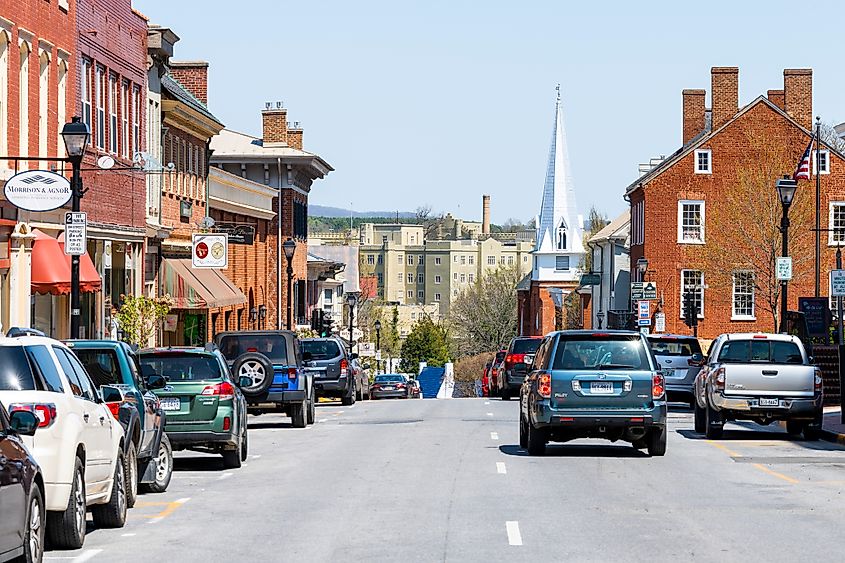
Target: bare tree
pixel 831 138
pixel 430 222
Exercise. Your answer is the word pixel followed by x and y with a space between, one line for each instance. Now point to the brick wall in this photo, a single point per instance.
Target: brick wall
pixel 274 125
pixel 693 113
pixel 193 75
pixel 724 93
pixel 186 183
pixel 798 95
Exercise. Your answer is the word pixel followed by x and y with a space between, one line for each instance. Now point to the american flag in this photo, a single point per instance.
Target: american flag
pixel 803 169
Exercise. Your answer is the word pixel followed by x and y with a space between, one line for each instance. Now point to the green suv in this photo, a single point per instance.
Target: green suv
pixel 205 409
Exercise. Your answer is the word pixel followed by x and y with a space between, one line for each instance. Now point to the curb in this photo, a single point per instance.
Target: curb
pixel 834 437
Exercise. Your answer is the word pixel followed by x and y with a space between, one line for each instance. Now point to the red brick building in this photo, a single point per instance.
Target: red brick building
pixel 707 217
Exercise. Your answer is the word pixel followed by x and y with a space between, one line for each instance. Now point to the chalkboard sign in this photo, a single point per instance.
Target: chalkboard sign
pixel 817 313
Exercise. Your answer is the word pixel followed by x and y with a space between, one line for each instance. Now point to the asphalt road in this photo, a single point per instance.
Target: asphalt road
pixel 429 480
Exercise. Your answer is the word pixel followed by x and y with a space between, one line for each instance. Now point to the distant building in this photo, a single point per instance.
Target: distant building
pixel 610 302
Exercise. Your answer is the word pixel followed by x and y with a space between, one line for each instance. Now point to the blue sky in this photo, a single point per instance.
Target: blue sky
pixel 437 102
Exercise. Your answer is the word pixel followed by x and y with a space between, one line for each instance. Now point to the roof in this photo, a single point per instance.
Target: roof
pixel 524 284
pixel 618 228
pixel 230 143
pixel 175 89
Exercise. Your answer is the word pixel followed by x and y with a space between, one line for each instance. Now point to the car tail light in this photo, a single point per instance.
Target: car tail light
pixel 513 359
pixel 544 385
pixel 760 336
pixel 115 409
pixel 344 366
pixel 818 383
pixel 291 373
pixel 45 412
pixel 720 379
pixel 227 423
pixel 400 385
pixel 223 391
pixel 657 386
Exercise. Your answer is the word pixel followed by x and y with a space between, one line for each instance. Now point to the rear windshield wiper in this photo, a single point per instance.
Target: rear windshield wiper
pixel 615 366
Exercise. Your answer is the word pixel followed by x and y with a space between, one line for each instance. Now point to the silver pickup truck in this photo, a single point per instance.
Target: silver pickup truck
pixel 758 377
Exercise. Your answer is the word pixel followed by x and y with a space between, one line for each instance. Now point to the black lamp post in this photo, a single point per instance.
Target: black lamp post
pixel 786 187
pixel 262 316
pixel 642 267
pixel 75 135
pixel 351 300
pixel 289 247
pixel 377 326
pixel 253 315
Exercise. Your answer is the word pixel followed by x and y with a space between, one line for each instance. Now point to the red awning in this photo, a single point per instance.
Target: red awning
pixel 51 268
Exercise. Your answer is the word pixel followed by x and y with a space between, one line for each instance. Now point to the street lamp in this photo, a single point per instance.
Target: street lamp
pixel 253 315
pixel 377 326
pixel 351 300
pixel 289 246
pixel 786 187
pixel 600 318
pixel 642 267
pixel 262 315
pixel 75 135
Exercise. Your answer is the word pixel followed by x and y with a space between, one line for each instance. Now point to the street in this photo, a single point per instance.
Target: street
pixel 444 480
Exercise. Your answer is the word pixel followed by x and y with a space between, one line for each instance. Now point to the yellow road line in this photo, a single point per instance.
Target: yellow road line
pixel 723 448
pixel 765 469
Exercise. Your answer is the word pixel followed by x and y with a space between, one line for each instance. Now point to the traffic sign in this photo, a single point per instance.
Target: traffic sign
pixel 643 322
pixel 784 268
pixel 644 309
pixel 636 291
pixel 210 251
pixel 650 290
pixel 837 283
pixel 76 227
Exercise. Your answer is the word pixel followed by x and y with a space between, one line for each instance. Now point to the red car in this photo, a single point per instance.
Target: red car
pixel 485 381
pixel 496 372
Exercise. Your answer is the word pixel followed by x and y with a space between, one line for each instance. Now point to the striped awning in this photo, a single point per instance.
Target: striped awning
pixel 192 288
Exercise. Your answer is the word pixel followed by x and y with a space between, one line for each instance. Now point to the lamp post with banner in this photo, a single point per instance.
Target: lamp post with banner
pixel 786 187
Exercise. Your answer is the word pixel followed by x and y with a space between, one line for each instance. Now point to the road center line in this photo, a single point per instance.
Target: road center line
pixel 765 469
pixel 500 467
pixel 224 476
pixel 494 435
pixel 489 414
pixel 514 537
pixel 486 402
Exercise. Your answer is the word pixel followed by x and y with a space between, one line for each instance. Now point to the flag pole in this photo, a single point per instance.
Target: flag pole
pixel 818 206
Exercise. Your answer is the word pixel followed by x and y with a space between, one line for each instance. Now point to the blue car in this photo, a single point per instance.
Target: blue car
pixel 593 384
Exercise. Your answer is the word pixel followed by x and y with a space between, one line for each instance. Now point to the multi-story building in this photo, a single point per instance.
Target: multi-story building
pixel 610 299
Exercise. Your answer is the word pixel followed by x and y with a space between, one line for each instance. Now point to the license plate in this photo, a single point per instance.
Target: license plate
pixel 528 358
pixel 680 373
pixel 769 402
pixel 598 388
pixel 171 404
pixel 388 388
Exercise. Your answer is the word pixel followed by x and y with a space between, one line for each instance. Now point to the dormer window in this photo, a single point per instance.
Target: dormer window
pixel 561 235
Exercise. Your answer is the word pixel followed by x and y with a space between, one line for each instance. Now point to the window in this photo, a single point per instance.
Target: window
pixel 413 239
pixel 420 278
pixel 136 121
pixel 4 91
pixel 399 277
pixel 43 101
pixel 471 278
pixel 824 161
pixel 23 91
pixel 510 260
pixel 410 294
pixel 463 260
pixel 463 278
pixel 413 316
pixel 760 351
pixel 371 259
pixel 561 235
pixel 437 297
pixel 438 279
pixel 380 279
pixel 691 222
pixel 410 278
pixel 437 260
pixel 561 263
pixel 113 93
pixel 42 362
pixel 77 384
pixel 328 295
pixel 743 296
pixel 15 371
pixel 455 276
pixel 384 239
pixel 454 293
pixel 61 104
pixel 85 92
pixel 420 295
pixel 692 280
pixel 399 258
pixel 836 222
pixel 124 117
pixel 380 260
pixel 455 258
pixel 100 96
pixel 471 260
pixel 410 259
pixel 638 223
pixel 502 260
pixel 703 164
pixel 420 259
pixel 491 260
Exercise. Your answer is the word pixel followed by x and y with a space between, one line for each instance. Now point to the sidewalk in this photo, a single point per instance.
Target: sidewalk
pixel 833 430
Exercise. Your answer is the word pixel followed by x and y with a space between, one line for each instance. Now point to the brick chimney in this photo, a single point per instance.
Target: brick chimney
pixel 295 135
pixel 776 97
pixel 193 75
pixel 693 113
pixel 485 214
pixel 798 95
pixel 724 93
pixel 274 121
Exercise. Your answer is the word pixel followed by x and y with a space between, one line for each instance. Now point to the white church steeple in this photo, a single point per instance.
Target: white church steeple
pixel 559 249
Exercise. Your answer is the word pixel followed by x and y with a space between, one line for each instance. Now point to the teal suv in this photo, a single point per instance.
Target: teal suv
pixel 593 384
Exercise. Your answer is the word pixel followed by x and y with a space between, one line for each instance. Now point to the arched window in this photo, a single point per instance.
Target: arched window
pixel 4 91
pixel 43 100
pixel 61 103
pixel 23 101
pixel 561 235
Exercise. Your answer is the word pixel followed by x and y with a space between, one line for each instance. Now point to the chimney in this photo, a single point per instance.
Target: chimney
pixel 693 113
pixel 798 95
pixel 295 135
pixel 776 97
pixel 724 93
pixel 485 214
pixel 193 75
pixel 274 122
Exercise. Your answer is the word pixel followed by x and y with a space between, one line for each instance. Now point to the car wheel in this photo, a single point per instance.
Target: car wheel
pixel 34 536
pixel 299 415
pixel 163 463
pixel 66 529
pixel 794 428
pixel 523 433
pixel 131 475
pixel 312 410
pixel 359 396
pixel 258 368
pixel 113 513
pixel 812 432
pixel 715 423
pixel 349 400
pixel 657 442
pixel 245 446
pixel 700 418
pixel 535 440
pixel 232 458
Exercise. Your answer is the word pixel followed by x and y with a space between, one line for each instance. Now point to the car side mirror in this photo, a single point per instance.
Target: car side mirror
pixel 111 394
pixel 244 381
pixel 696 360
pixel 156 381
pixel 24 423
pixel 306 356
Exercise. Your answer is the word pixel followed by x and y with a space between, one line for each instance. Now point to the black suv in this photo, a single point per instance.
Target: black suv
pixel 273 361
pixel 332 368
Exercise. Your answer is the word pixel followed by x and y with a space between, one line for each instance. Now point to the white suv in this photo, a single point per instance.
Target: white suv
pixel 78 444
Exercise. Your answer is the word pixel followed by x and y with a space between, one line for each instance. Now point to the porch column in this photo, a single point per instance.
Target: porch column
pixel 20 277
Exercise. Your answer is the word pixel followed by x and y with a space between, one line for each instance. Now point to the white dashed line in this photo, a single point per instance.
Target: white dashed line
pixel 84 556
pixel 255 456
pixel 489 414
pixel 494 435
pixel 500 468
pixel 486 402
pixel 126 535
pixel 514 537
pixel 224 476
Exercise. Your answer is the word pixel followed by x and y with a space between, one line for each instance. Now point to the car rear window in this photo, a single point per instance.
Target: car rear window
pixel 176 367
pixel 601 353
pixel 526 345
pixel 760 351
pixel 389 379
pixel 15 371
pixel 101 365
pixel 274 346
pixel 674 346
pixel 321 349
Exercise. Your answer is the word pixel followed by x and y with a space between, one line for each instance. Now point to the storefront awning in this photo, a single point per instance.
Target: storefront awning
pixel 51 268
pixel 192 288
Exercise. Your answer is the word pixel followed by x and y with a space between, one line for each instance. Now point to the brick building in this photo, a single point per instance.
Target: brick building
pixel 706 217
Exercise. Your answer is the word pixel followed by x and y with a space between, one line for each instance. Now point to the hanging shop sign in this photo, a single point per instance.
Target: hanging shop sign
pixel 37 190
pixel 210 251
pixel 239 233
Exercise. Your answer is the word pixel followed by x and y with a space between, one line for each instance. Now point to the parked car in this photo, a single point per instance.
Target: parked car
pixel 591 384
pixel 390 385
pixel 514 367
pixel 205 408
pixel 674 354
pixel 486 387
pixel 496 372
pixel 759 377
pixel 331 365
pixel 362 380
pixel 78 444
pixel 272 360
pixel 416 391
pixel 149 457
pixel 21 487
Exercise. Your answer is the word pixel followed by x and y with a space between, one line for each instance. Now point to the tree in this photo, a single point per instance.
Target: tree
pixel 430 222
pixel 139 317
pixel 483 317
pixel 427 342
pixel 596 221
pixel 831 138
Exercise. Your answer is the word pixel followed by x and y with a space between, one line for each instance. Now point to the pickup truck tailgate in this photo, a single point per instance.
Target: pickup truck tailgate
pixel 776 380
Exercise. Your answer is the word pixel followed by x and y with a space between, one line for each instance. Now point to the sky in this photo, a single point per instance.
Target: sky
pixel 435 103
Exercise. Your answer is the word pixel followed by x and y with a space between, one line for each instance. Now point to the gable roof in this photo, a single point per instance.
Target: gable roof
pixel 616 229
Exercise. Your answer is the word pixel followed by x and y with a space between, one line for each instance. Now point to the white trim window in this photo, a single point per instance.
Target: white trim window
pixel 824 157
pixel 743 296
pixel 136 121
pixel 638 223
pixel 85 92
pixel 703 161
pixel 61 103
pixel 4 92
pixel 437 297
pixel 561 263
pixel 692 280
pixel 690 222
pixel 410 278
pixel 438 279
pixel 410 259
pixel 420 278
pixel 410 294
pixel 100 96
pixel 420 296
pixel 43 100
pixel 836 222
pixel 437 260
pixel 463 278
pixel 491 260
pixel 371 259
pixel 113 104
pixel 399 277
pixel 124 118
pixel 421 259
